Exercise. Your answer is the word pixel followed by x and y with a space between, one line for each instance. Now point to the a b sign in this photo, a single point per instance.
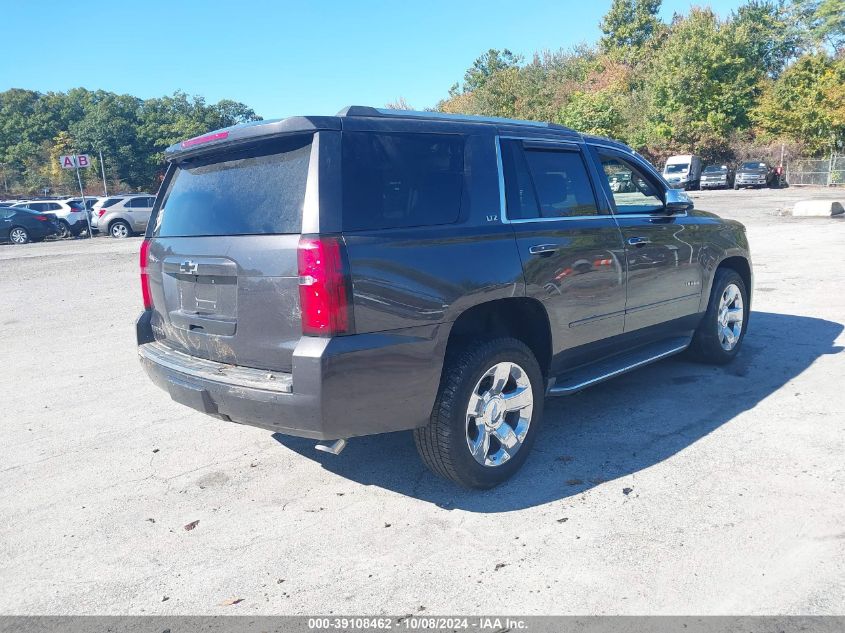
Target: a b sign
pixel 72 161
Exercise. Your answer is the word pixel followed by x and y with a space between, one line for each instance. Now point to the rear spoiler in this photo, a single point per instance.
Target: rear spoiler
pixel 247 133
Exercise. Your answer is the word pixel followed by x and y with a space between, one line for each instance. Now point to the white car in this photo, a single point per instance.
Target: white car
pixel 72 216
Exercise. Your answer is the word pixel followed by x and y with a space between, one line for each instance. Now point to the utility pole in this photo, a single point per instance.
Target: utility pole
pixel 103 172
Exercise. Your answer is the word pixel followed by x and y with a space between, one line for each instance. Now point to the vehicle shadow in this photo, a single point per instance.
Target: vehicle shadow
pixel 609 431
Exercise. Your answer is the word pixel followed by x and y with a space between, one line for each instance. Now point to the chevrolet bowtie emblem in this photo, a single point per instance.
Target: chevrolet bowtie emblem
pixel 188 267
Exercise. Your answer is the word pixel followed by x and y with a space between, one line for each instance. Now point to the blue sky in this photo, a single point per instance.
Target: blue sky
pixel 284 58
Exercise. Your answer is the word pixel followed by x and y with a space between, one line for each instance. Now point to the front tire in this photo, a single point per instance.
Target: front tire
pixel 486 416
pixel 720 334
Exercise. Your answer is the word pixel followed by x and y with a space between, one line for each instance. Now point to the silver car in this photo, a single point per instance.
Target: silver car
pixel 123 216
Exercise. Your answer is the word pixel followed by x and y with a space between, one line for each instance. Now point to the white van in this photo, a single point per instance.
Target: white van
pixel 683 172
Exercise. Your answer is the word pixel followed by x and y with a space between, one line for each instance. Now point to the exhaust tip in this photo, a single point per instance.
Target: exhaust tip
pixel 335 448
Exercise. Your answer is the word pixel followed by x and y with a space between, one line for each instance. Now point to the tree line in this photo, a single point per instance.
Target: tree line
pixel 769 77
pixel 132 134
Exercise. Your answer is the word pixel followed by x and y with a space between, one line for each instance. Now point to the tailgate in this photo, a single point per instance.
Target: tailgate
pixel 223 255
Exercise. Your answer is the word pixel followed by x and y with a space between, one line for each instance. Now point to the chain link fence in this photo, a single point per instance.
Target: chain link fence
pixel 824 172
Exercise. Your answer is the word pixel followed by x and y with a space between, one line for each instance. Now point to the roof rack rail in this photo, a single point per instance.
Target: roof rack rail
pixel 368 111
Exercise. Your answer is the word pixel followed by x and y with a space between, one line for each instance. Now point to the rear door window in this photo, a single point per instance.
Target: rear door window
pixel 561 182
pixel 546 182
pixel 253 191
pixel 396 180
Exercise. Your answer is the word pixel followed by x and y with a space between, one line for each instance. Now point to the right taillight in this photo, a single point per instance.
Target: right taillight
pixel 324 297
pixel 100 213
pixel 145 278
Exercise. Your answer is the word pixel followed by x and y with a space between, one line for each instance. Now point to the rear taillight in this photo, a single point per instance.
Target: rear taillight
pixel 42 218
pixel 100 213
pixel 323 287
pixel 145 278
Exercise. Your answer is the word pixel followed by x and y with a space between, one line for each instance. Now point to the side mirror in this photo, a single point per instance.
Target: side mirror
pixel 677 201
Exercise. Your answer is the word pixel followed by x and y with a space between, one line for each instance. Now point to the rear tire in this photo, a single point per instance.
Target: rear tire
pixel 120 230
pixel 719 335
pixel 19 235
pixel 484 377
pixel 64 230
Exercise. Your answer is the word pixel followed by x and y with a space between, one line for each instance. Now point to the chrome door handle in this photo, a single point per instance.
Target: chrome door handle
pixel 543 249
pixel 638 241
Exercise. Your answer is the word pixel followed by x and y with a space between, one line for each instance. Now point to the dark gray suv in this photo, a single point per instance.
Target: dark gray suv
pixel 375 271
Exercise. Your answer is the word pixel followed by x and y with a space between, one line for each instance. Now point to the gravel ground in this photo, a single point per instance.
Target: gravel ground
pixel 677 489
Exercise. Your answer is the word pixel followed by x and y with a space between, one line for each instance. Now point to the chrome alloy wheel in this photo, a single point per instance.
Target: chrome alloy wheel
pixel 119 230
pixel 18 236
pixel 730 317
pixel 499 414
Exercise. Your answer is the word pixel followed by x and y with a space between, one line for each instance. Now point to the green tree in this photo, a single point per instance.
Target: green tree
pixel 629 25
pixel 486 66
pixel 823 22
pixel 806 103
pixel 702 83
pixel 772 35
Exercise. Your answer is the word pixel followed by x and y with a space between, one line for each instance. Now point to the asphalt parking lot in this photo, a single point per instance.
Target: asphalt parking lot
pixel 677 489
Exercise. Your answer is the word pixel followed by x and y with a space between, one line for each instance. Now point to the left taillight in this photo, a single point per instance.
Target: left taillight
pixel 324 293
pixel 42 218
pixel 145 277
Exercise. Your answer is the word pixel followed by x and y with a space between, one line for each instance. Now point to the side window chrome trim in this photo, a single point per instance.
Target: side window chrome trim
pixel 503 207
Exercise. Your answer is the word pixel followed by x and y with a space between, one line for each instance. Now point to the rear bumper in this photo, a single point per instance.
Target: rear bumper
pixel 77 224
pixel 339 388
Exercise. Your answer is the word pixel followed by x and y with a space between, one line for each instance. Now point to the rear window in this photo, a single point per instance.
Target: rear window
pixel 110 202
pixel 254 191
pixel 401 180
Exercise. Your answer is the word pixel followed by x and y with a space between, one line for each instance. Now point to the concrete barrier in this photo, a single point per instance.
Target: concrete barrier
pixel 817 209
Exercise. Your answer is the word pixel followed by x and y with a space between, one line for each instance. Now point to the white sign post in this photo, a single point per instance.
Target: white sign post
pixel 77 162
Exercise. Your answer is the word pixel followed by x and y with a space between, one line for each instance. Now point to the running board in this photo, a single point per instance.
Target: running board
pixel 578 379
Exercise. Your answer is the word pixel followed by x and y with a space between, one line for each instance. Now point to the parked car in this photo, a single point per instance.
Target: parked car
pixel 375 271
pixel 19 226
pixel 621 182
pixel 717 177
pixel 90 201
pixel 98 208
pixel 71 216
pixel 683 172
pixel 754 174
pixel 123 216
